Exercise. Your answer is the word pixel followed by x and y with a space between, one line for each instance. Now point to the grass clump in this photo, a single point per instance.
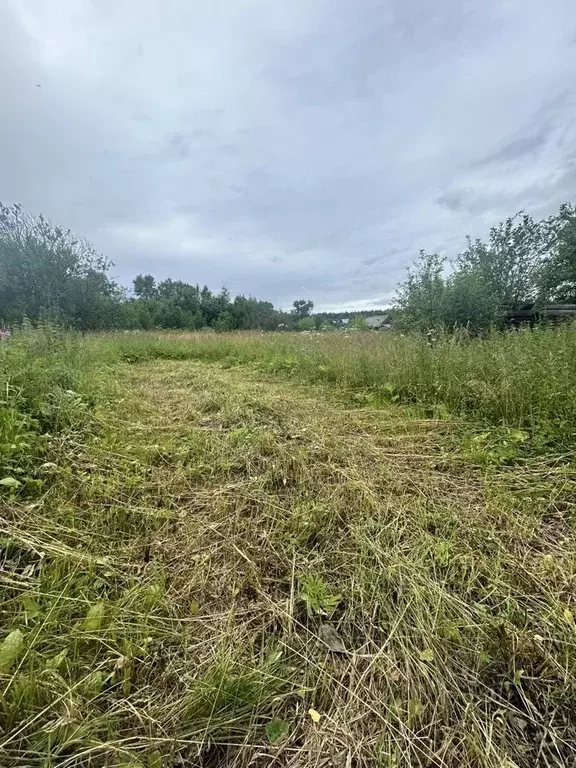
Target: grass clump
pixel 235 569
pixel 45 392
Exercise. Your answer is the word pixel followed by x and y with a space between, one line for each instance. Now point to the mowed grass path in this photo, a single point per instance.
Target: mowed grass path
pixel 237 571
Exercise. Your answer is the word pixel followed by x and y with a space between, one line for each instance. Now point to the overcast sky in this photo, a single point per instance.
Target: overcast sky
pixel 286 148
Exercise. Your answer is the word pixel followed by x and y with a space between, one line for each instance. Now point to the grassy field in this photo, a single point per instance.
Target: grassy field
pixel 291 550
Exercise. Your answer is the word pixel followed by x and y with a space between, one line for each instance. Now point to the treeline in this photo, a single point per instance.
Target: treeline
pixel 524 263
pixel 175 304
pixel 47 274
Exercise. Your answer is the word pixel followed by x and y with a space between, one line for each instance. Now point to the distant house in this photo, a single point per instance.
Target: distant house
pixel 379 322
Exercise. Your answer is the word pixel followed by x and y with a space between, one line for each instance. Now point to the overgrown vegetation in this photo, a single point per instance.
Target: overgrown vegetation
pixel 284 549
pixel 524 262
pixel 517 380
pixel 45 391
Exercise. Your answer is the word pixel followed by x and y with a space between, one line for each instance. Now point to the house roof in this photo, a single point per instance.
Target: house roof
pixel 377 321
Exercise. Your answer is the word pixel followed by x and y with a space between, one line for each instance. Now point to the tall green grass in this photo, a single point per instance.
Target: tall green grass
pixel 44 391
pixel 520 380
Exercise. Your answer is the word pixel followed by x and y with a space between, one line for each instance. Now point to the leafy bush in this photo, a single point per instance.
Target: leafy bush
pixel 524 261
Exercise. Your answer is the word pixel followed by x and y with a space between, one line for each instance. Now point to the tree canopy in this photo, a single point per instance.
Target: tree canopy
pixel 46 272
pixel 524 262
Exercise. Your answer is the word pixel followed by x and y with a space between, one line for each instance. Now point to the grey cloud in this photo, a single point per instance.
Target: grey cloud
pixel 276 146
pixel 518 149
pixel 548 126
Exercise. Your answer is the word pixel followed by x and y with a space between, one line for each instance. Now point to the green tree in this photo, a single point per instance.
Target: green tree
pixel 558 279
pixel 358 323
pixel 213 304
pixel 47 272
pixel 302 308
pixel 510 263
pixel 470 302
pixel 95 303
pixel 224 322
pixel 523 261
pixel 422 295
pixel 249 313
pixel 168 314
pixel 144 286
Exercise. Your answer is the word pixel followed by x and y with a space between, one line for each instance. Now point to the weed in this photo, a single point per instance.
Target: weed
pixel 318 597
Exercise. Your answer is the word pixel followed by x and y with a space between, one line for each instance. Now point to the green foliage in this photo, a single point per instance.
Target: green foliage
pixel 510 263
pixel 319 599
pixel 10 649
pixel 277 730
pixel 302 308
pixel 48 273
pixel 470 302
pixel 558 278
pixel 249 312
pixel 421 298
pixel 145 286
pixel 524 261
pixel 306 324
pixel 358 323
pixel 94 617
pixel 224 322
pixel 41 372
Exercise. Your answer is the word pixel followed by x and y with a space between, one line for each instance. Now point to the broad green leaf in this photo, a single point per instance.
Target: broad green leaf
pixel 94 617
pixel 10 482
pixel 415 709
pixel 518 675
pixel 568 615
pixel 10 650
pixel 427 654
pixel 92 684
pixel 276 730
pixel 31 608
pixel 57 661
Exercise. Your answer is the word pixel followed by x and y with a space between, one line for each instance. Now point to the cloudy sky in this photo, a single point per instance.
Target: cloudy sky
pixel 286 148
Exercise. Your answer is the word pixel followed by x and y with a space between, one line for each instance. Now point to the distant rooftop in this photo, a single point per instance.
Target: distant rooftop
pixel 378 321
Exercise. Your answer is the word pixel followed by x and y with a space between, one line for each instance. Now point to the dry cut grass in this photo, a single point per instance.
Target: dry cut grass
pixel 242 572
